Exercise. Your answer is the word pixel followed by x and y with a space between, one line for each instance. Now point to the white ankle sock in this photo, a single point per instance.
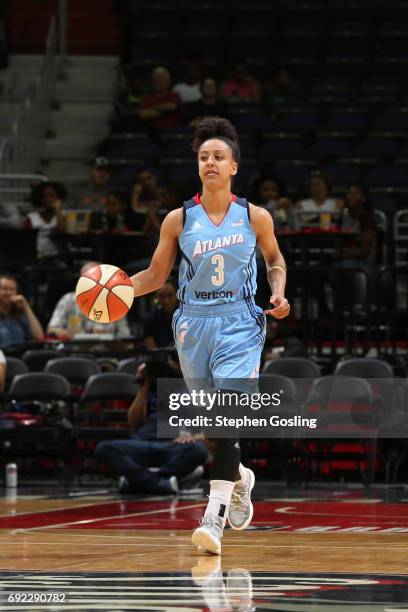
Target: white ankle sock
pixel 220 496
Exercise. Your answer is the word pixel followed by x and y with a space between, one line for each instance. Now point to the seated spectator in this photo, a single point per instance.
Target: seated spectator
pixel 169 198
pixel 210 104
pixel 269 195
pixel 68 320
pixel 18 323
pixel 283 90
pixel 3 371
pixel 10 217
pixel 161 109
pixel 357 217
pixel 177 459
pixel 92 193
pixel 189 90
pixel 241 86
pixel 280 342
pixel 320 208
pixel 48 219
pixel 117 216
pixel 146 191
pixel 157 325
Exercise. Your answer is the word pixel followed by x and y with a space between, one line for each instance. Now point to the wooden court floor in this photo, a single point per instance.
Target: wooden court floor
pixel 323 550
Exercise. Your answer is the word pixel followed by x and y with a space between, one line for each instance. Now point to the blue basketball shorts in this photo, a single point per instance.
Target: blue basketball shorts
pixel 220 344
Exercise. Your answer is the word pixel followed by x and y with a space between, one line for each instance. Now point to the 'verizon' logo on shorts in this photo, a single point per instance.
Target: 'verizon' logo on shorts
pixel 213 295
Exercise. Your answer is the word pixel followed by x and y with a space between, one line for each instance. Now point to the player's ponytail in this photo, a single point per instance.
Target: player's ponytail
pixel 217 127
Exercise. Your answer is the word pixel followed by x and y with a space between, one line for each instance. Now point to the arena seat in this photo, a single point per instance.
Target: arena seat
pixel 39 386
pixel 364 368
pixel 37 358
pixel 14 367
pixel 294 367
pixel 76 370
pixel 130 365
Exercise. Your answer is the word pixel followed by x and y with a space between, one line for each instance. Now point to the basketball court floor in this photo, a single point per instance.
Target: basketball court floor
pixel 311 550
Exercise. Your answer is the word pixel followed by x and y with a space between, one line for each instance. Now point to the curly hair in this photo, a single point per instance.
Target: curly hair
pixel 38 190
pixel 217 127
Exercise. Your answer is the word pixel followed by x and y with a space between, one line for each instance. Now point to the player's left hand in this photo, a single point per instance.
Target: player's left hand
pixel 282 307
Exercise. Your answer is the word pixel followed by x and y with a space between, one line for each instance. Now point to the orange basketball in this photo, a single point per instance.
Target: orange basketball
pixel 104 293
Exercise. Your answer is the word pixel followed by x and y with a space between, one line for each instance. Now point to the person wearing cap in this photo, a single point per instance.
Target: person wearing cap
pixel 92 194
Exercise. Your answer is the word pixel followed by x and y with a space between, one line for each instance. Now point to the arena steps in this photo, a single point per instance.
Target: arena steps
pixel 81 115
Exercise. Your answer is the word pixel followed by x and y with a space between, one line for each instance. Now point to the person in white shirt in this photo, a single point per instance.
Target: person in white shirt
pixel 47 199
pixel 68 320
pixel 3 368
pixel 320 201
pixel 190 89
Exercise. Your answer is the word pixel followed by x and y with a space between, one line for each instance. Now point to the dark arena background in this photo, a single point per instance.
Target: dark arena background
pixel 98 104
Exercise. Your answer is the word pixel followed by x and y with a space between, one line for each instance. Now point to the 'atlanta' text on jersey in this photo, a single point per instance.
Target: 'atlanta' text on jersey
pixel 218 262
pixel 204 246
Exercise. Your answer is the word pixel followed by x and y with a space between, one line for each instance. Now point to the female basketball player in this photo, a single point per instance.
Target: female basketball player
pixel 218 329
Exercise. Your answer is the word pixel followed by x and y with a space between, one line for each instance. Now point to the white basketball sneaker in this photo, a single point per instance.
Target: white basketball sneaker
pixel 241 509
pixel 208 536
pixel 239 590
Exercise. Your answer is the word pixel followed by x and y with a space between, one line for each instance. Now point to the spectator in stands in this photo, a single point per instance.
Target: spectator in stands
pixel 18 323
pixel 117 216
pixel 169 197
pixel 92 193
pixel 321 208
pixel 157 325
pixel 241 86
pixel 47 199
pixel 161 109
pixel 146 191
pixel 153 201
pixel 189 90
pixel 269 194
pixel 68 320
pixel 280 342
pixel 210 104
pixel 357 217
pixel 3 371
pixel 283 90
pixel 10 217
pixel 178 459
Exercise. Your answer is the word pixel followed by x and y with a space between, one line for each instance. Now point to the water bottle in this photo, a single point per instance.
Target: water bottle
pixel 11 475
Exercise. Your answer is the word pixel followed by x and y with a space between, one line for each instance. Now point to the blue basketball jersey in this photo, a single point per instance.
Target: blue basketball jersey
pixel 218 262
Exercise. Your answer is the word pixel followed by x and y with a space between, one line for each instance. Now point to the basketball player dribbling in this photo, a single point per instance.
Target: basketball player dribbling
pixel 218 329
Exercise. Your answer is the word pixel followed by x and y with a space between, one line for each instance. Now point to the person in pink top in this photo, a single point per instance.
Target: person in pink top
pixel 241 86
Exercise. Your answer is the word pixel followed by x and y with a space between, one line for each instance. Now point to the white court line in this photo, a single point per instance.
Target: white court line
pixel 315 500
pixel 109 518
pixel 47 511
pixel 166 537
pixel 225 544
pixel 292 512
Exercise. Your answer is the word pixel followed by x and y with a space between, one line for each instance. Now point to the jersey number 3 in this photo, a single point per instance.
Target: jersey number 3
pixel 218 261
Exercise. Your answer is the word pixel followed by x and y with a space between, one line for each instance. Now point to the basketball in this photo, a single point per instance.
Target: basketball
pixel 104 293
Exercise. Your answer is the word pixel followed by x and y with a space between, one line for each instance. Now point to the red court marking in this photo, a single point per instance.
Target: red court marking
pixel 167 515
